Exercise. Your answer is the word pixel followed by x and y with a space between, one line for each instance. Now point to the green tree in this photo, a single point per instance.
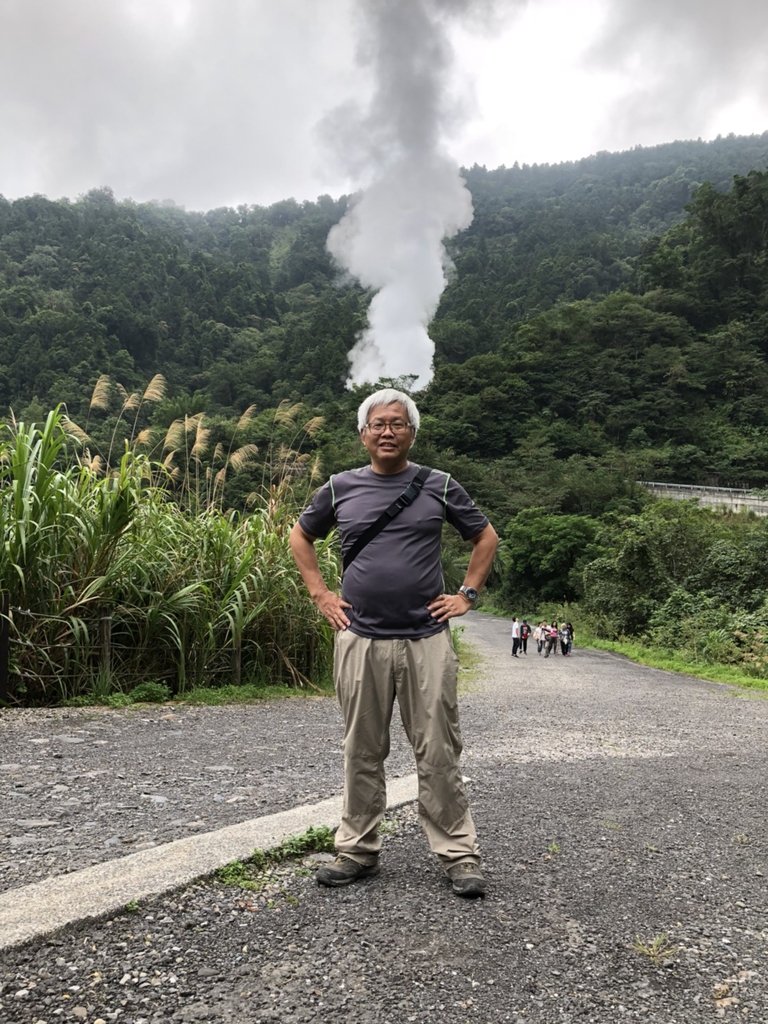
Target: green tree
pixel 644 558
pixel 541 554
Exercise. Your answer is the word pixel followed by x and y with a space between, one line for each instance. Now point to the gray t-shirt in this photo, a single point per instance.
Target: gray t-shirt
pixel 397 573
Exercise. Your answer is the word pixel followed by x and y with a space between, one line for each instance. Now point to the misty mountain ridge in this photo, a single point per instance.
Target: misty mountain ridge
pixel 584 296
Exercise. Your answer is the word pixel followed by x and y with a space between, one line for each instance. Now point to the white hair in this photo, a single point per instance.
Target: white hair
pixel 388 396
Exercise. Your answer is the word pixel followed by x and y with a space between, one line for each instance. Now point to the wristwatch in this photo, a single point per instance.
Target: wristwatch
pixel 470 593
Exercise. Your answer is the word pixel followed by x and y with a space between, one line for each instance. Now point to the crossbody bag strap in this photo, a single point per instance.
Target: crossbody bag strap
pixel 406 498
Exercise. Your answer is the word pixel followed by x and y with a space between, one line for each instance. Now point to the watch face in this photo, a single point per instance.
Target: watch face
pixel 470 593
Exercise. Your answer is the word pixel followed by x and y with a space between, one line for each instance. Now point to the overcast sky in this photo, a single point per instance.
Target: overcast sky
pixel 220 102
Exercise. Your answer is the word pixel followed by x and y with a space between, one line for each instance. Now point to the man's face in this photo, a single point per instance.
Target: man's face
pixel 388 437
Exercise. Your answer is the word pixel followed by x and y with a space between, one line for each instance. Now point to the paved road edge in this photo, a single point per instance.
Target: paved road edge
pixel 35 910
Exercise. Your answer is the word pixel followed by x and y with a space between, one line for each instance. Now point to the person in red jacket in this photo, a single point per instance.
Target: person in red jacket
pixel 551 635
pixel 525 632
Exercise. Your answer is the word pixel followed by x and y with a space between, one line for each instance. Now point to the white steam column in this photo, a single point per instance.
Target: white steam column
pixel 391 238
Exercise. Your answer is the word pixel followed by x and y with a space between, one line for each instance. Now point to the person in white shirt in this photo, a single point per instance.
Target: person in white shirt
pixel 515 637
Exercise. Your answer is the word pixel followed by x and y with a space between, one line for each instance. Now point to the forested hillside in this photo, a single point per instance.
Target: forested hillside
pixel 606 315
pixel 607 322
pixel 237 306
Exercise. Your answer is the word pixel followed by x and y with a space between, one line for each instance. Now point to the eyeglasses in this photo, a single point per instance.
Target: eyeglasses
pixel 396 426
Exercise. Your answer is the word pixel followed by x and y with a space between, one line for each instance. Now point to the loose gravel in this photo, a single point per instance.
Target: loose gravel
pixel 621 812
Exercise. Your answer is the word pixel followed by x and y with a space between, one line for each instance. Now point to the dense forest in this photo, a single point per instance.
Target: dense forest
pixel 242 306
pixel 606 322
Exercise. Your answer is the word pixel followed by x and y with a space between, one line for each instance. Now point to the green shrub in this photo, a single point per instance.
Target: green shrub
pixel 117 700
pixel 150 692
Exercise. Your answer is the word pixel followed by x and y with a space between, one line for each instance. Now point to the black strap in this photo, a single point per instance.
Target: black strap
pixel 406 498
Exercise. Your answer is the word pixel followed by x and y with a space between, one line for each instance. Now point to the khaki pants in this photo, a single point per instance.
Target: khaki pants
pixel 422 674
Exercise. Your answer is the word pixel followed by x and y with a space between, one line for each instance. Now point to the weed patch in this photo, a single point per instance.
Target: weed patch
pixel 267 874
pixel 659 950
pixel 255 873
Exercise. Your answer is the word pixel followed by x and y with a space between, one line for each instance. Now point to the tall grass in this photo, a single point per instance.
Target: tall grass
pixel 112 584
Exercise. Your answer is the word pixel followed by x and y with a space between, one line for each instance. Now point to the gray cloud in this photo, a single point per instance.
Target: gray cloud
pixel 205 101
pixel 213 102
pixel 687 60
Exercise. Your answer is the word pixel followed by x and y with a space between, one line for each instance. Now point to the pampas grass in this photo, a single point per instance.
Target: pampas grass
pixel 111 583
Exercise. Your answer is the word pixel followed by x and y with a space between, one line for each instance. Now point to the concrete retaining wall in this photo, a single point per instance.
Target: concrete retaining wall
pixel 734 499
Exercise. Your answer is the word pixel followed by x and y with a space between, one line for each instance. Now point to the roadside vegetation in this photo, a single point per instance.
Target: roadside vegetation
pixel 267 875
pixel 115 585
pixel 671 584
pixel 251 872
pixel 677 661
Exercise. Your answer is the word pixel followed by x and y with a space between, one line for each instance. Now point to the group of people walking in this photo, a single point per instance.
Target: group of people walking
pixel 546 636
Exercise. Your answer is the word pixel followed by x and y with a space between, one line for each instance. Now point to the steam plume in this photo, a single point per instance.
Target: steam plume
pixel 391 238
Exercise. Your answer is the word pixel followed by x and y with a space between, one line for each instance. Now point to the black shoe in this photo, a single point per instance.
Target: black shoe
pixel 467 880
pixel 344 871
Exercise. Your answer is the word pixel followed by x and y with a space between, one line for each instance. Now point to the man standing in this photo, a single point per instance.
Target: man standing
pixel 515 637
pixel 392 639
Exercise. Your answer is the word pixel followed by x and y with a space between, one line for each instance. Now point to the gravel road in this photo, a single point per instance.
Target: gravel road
pixel 621 812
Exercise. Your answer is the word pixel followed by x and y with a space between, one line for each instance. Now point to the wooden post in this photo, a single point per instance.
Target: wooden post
pixel 237 659
pixel 105 636
pixel 5 646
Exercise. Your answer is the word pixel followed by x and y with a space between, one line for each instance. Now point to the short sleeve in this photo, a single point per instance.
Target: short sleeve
pixel 319 517
pixel 461 511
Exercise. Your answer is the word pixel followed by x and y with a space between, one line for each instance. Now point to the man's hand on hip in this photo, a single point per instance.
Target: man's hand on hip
pixel 332 607
pixel 448 606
